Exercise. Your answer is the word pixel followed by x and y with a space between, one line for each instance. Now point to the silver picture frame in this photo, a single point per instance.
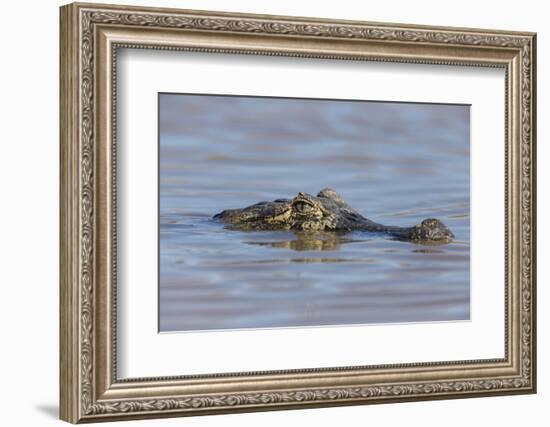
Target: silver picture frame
pixel 90 37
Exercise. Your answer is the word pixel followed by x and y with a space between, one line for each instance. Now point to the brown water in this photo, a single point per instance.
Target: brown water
pixel 395 163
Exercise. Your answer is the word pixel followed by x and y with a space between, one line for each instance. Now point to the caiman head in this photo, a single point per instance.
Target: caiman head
pixel 327 211
pixel 304 212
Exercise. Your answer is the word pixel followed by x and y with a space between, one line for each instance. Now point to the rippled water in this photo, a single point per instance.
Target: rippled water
pixel 395 163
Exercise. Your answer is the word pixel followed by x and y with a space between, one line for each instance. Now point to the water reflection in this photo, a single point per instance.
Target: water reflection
pixel 332 241
pixel 312 241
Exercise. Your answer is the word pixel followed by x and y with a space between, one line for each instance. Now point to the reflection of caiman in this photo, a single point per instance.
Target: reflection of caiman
pixel 309 241
pixel 326 212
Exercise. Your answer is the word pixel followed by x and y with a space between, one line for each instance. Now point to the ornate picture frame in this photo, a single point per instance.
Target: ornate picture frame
pixel 90 37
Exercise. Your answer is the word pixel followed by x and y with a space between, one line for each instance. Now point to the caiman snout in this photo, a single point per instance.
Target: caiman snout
pixel 432 230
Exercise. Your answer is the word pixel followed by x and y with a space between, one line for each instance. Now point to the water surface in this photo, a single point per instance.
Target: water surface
pixel 397 163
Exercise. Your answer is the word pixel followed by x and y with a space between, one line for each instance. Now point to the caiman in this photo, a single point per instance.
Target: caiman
pixel 327 211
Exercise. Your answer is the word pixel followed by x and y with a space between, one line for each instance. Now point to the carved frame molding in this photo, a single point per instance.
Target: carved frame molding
pixel 90 36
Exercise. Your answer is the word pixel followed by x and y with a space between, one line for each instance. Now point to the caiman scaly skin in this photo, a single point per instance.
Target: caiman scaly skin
pixel 327 211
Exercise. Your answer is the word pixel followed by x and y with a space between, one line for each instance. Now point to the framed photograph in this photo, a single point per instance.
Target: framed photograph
pixel 266 212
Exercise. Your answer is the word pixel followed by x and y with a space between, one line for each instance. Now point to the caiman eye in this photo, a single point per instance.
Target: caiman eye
pixel 302 207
